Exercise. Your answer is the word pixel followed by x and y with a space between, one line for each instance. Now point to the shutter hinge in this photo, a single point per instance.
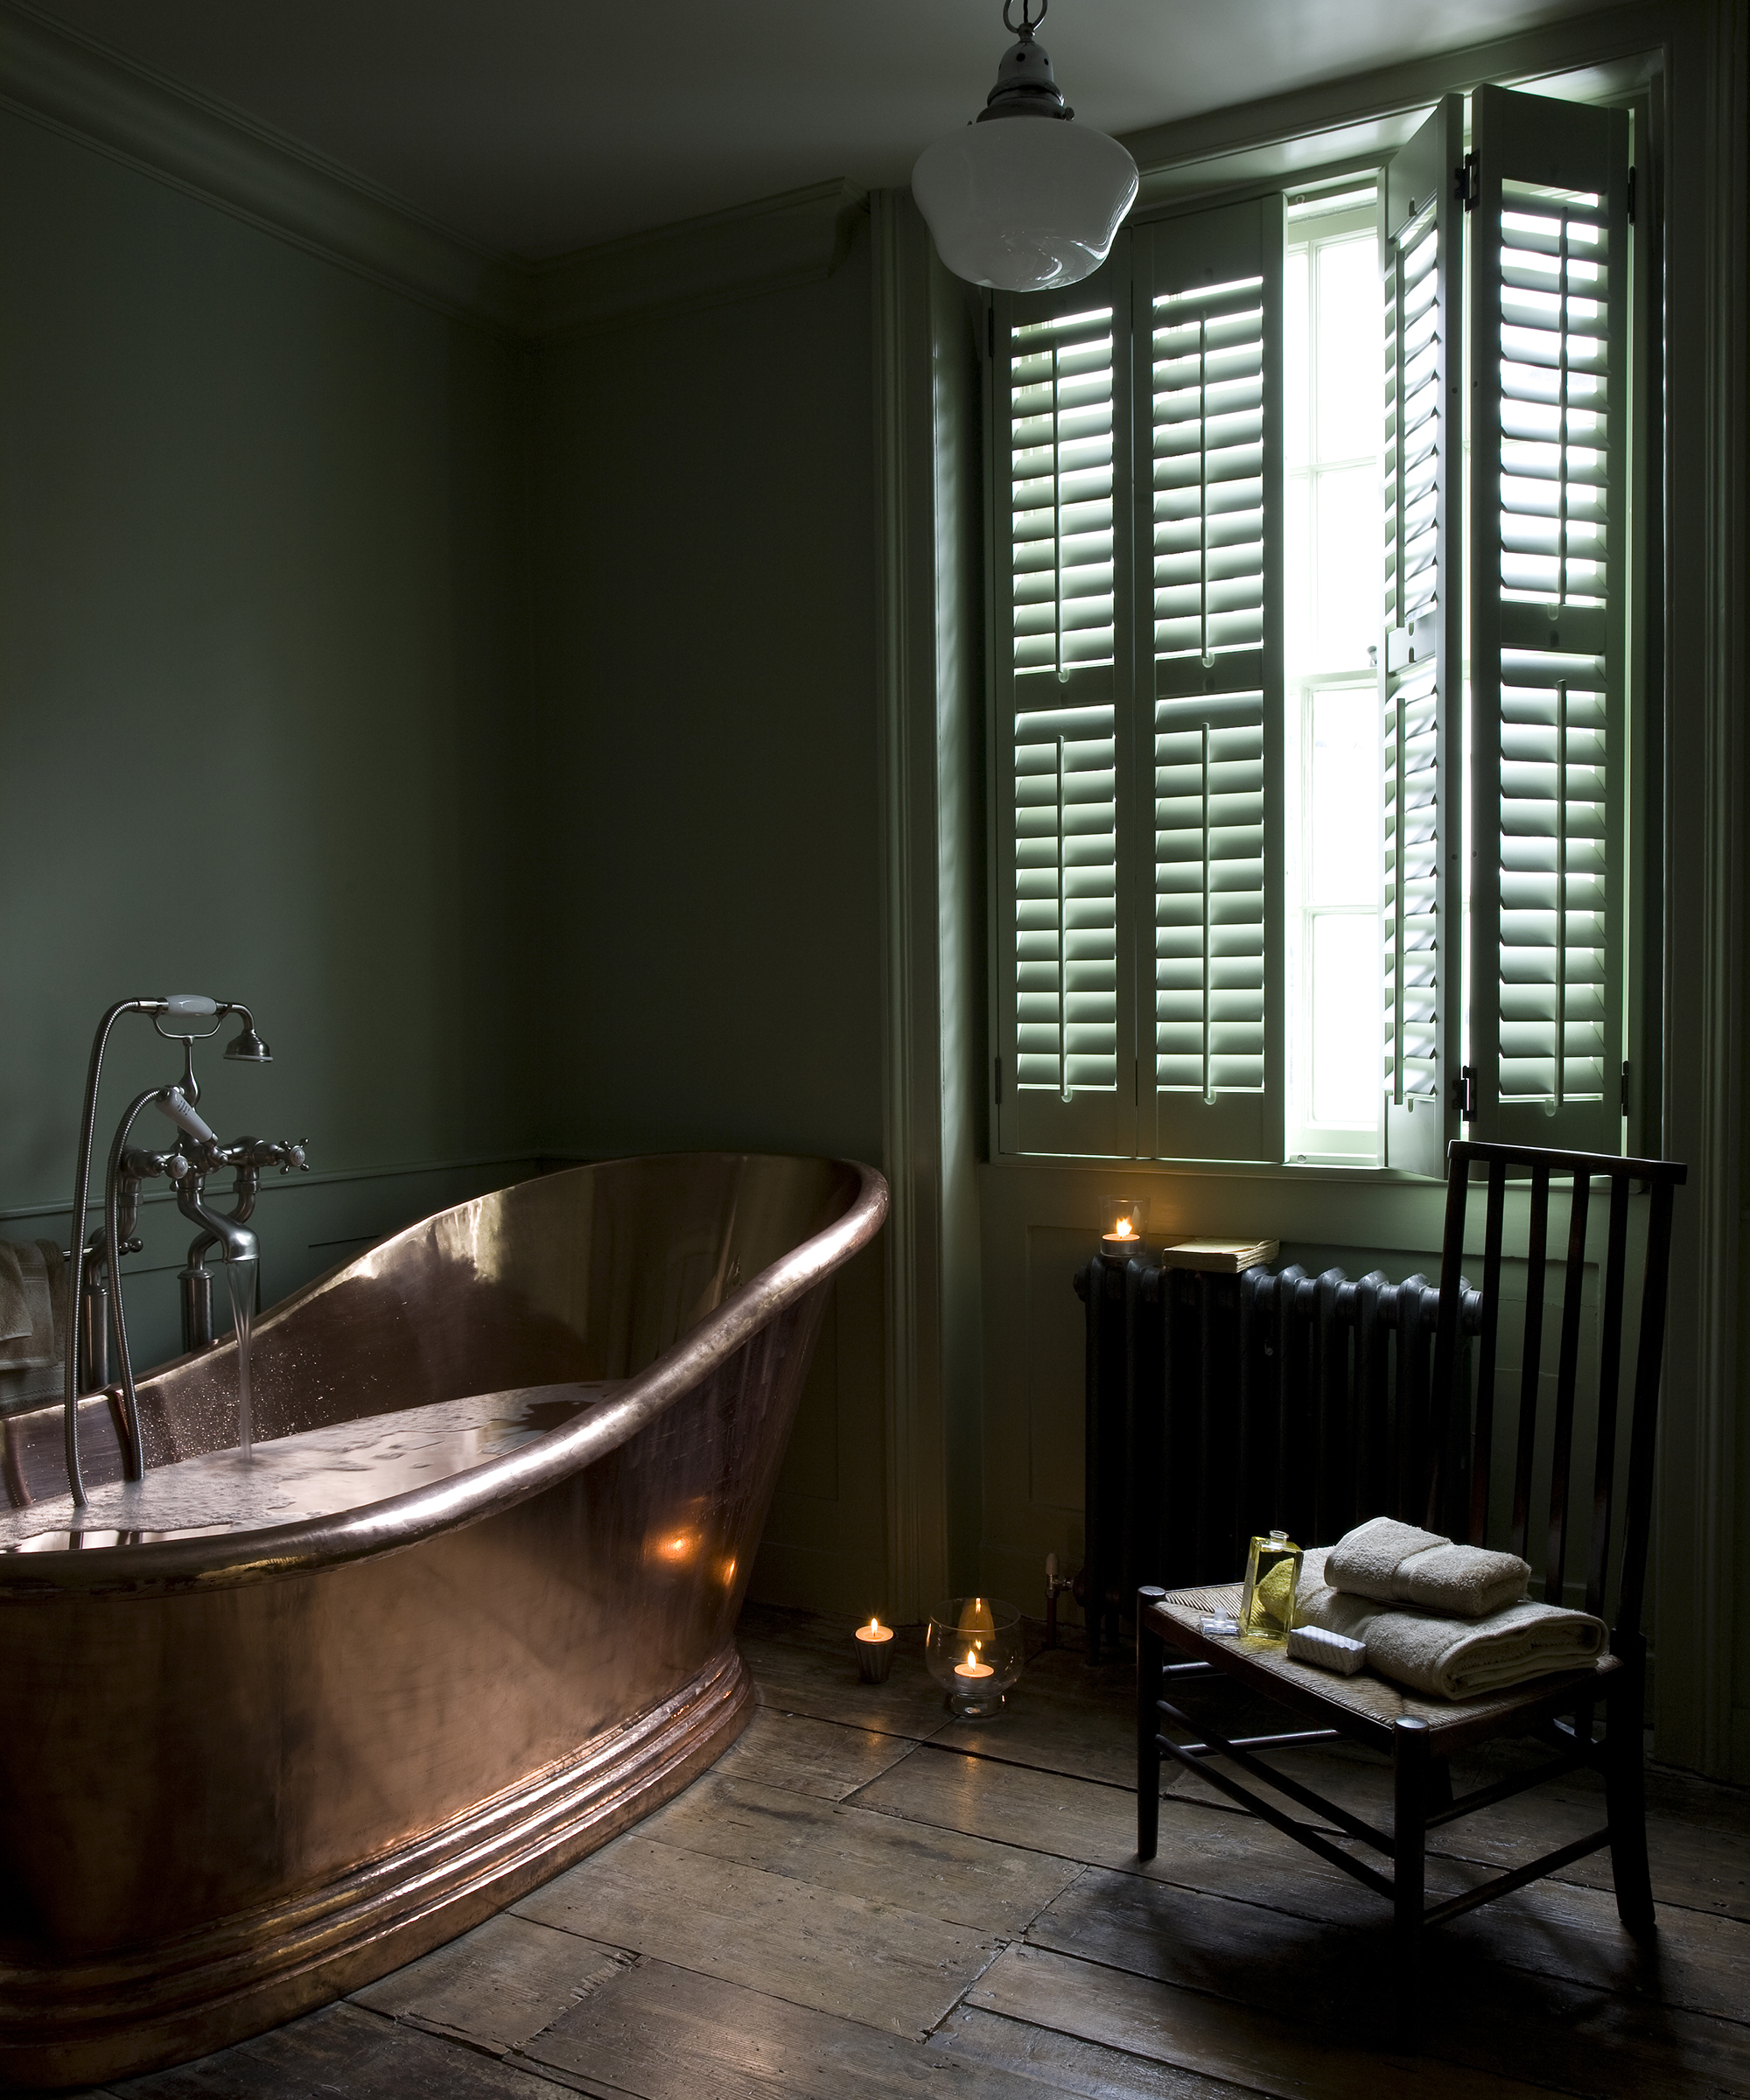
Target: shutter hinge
pixel 1464 1093
pixel 1625 1086
pixel 1631 215
pixel 999 1081
pixel 1467 182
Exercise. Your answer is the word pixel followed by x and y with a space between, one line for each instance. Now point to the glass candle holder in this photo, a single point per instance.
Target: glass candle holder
pixel 1267 1602
pixel 1122 1222
pixel 974 1651
pixel 874 1652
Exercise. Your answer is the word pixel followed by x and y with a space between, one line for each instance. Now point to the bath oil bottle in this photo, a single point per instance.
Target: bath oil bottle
pixel 1267 1606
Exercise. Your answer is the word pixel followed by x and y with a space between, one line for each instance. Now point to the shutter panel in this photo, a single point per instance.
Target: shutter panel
pixel 1209 394
pixel 1423 654
pixel 1548 540
pixel 1061 427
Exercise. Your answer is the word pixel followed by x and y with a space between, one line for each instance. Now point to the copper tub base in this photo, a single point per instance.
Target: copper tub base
pixel 78 2025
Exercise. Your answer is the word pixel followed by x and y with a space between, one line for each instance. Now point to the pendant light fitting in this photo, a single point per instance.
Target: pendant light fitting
pixel 1025 206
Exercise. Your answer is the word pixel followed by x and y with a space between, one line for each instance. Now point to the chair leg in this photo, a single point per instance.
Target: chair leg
pixel 1625 1786
pixel 1151 1654
pixel 1411 1763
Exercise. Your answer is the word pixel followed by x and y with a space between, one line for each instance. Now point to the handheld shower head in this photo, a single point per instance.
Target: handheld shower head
pixel 248 1048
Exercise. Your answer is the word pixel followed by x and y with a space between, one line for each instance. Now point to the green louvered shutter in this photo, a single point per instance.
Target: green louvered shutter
pixel 1208 414
pixel 1422 659
pixel 1066 1081
pixel 1549 545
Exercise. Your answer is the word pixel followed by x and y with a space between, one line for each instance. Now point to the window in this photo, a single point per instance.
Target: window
pixel 1238 752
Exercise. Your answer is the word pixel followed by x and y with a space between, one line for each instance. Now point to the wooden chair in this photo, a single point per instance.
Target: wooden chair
pixel 1421 1736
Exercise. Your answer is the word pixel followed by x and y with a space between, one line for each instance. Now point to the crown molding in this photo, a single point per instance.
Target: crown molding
pixel 67 83
pixel 796 237
pixel 1364 116
pixel 153 124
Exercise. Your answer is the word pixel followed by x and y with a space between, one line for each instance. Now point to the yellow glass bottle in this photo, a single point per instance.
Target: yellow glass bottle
pixel 1267 1606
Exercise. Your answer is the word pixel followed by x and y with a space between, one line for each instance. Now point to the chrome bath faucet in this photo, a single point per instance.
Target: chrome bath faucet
pixel 95 1277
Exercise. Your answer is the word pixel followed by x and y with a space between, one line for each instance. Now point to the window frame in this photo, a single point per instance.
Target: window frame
pixel 1275 171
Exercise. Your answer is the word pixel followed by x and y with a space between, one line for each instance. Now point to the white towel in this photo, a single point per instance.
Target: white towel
pixel 1451 1658
pixel 1400 1564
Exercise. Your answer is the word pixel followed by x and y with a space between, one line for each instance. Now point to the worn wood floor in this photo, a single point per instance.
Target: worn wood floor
pixel 864 1900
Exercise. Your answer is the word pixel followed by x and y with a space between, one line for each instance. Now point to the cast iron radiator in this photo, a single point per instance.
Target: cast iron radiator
pixel 1221 1405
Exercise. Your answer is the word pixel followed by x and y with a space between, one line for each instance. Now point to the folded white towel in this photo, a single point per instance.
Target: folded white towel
pixel 1451 1658
pixel 1400 1564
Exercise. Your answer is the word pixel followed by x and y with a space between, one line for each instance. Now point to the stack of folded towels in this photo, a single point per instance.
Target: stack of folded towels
pixel 1449 1621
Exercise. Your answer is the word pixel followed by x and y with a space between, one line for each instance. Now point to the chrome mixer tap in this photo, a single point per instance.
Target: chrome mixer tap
pixel 95 1277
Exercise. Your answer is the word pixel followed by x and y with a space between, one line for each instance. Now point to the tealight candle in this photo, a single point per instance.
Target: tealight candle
pixel 1124 1218
pixel 972 1669
pixel 874 1651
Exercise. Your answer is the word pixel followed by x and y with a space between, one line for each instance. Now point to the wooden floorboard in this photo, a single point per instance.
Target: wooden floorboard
pixel 1066 2063
pixel 497 1986
pixel 809 1756
pixel 343 2053
pixel 660 2033
pixel 865 1898
pixel 996 1889
pixel 877 1962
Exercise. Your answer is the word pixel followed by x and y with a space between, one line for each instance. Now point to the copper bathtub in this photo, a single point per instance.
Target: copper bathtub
pixel 245 1771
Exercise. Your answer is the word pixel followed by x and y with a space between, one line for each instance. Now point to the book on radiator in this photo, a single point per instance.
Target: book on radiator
pixel 1222 1257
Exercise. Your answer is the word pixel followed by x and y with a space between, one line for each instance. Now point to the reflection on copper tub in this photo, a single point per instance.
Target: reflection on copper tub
pixel 275 1729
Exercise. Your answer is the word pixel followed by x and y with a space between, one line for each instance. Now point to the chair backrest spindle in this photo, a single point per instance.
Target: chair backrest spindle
pixel 1609 1380
pixel 1648 1354
pixel 1536 1253
pixel 1567 1373
pixel 1483 1445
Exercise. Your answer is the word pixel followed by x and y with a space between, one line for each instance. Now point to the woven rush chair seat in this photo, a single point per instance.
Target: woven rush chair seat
pixel 1366 1707
pixel 1455 1438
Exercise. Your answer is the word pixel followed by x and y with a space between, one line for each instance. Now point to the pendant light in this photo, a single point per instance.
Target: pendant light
pixel 1023 199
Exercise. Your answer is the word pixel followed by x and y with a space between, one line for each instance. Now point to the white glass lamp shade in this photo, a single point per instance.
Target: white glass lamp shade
pixel 1025 203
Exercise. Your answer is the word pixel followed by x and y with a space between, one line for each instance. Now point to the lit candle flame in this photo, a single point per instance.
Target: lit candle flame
pixel 971 1659
pixel 874 1623
pixel 1123 1228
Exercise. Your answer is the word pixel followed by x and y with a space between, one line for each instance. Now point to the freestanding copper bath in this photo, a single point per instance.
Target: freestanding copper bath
pixel 273 1740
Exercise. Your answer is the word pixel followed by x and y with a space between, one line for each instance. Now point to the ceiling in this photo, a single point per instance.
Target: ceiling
pixel 533 127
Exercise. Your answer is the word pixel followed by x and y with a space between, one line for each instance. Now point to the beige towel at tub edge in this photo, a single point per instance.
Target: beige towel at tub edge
pixel 29 1277
pixel 1400 1564
pixel 1451 1658
pixel 21 1388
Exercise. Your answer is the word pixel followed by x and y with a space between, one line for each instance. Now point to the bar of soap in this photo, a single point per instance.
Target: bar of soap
pixel 1329 1651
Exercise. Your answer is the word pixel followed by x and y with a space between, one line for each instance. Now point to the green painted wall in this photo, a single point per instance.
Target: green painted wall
pixel 702 556
pixel 260 726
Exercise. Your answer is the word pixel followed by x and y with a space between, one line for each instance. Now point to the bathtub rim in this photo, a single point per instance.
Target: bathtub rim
pixel 230 1560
